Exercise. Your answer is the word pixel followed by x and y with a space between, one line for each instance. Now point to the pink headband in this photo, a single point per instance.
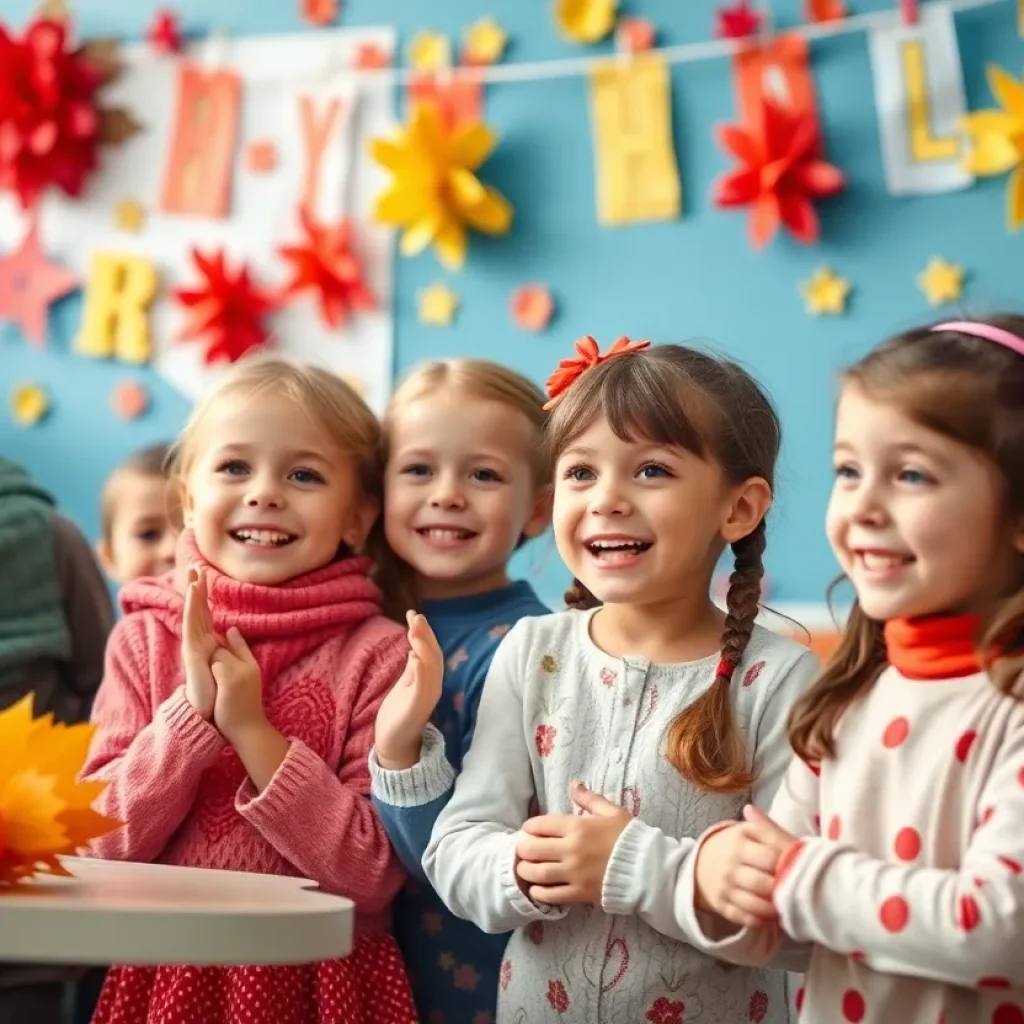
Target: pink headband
pixel 986 331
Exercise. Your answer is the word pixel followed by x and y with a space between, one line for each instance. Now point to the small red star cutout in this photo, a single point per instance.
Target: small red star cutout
pixel 164 32
pixel 737 22
pixel 371 57
pixel 29 283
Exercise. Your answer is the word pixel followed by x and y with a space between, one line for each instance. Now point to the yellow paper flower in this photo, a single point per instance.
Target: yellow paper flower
pixel 435 193
pixel 997 138
pixel 484 42
pixel 438 305
pixel 45 813
pixel 585 21
pixel 429 51
pixel 29 404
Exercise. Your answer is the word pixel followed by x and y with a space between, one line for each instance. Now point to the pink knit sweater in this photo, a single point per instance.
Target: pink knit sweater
pixel 327 657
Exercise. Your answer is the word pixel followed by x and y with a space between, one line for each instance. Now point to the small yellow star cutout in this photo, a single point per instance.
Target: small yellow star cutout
pixel 429 51
pixel 825 294
pixel 438 305
pixel 484 42
pixel 129 216
pixel 941 281
pixel 29 404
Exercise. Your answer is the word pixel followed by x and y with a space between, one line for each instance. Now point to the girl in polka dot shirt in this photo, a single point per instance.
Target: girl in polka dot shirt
pixel 893 853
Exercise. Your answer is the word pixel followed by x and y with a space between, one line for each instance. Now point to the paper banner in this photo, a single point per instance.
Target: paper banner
pixel 635 162
pixel 919 92
pixel 324 125
pixel 780 69
pixel 459 96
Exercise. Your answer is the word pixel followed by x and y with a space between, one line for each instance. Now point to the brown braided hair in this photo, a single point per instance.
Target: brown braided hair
pixel 972 391
pixel 679 396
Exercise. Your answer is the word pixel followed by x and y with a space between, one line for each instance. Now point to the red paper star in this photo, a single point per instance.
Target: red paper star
pixel 29 283
pixel 780 175
pixel 164 32
pixel 738 21
pixel 227 310
pixel 326 264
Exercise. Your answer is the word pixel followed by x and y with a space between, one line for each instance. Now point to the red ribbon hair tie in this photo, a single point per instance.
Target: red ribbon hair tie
pixel 588 355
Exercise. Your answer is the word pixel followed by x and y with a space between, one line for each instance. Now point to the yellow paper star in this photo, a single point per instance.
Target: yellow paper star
pixel 997 138
pixel 438 305
pixel 585 21
pixel 825 294
pixel 429 51
pixel 29 404
pixel 435 194
pixel 941 281
pixel 129 216
pixel 484 42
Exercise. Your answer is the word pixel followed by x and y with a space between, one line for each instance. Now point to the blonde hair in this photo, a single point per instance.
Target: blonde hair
pixel 320 393
pixel 474 378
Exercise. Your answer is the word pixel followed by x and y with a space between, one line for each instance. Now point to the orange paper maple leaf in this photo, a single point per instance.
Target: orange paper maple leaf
pixel 588 355
pixel 45 812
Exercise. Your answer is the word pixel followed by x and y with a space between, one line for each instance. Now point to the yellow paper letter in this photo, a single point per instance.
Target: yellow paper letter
pixel 637 177
pixel 115 322
pixel 924 146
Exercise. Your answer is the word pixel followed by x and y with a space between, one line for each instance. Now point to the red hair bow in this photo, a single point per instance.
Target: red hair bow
pixel 588 355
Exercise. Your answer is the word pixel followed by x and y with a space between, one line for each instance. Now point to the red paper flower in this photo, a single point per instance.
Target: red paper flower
pixel 227 311
pixel 588 355
pixel 164 32
pixel 49 127
pixel 781 174
pixel 738 21
pixel 326 263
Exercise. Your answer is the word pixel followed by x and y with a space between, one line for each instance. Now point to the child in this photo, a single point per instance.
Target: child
pixel 466 484
pixel 609 737
pixel 237 707
pixel 138 518
pixel 896 845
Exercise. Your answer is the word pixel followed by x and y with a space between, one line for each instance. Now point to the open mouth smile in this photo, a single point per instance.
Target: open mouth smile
pixel 617 551
pixel 262 538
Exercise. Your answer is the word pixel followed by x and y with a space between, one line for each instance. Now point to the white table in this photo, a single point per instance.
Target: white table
pixel 115 912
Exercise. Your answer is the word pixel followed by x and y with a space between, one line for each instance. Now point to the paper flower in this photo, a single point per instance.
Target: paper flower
pixel 941 281
pixel 484 42
pixel 29 405
pixel 634 35
pixel 588 355
pixel 129 400
pixel 227 310
pixel 319 12
pixel 532 307
pixel 585 21
pixel 438 305
pixel 325 263
pixel 780 175
pixel 49 125
pixel 164 32
pixel 45 813
pixel 429 51
pixel 737 22
pixel 825 294
pixel 435 193
pixel 997 138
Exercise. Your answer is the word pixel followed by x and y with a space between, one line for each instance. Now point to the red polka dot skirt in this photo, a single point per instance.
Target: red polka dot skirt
pixel 368 987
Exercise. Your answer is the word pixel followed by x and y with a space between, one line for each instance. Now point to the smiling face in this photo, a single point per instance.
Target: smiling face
pixel 269 495
pixel 460 491
pixel 917 519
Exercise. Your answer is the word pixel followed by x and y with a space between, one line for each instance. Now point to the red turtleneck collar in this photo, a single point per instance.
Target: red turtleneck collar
pixel 936 647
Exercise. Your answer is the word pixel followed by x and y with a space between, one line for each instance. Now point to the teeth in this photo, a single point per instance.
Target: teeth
pixel 446 535
pixel 619 545
pixel 263 537
pixel 872 560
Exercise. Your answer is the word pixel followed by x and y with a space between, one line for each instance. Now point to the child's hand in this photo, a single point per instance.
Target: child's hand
pixel 198 644
pixel 735 870
pixel 406 710
pixel 565 857
pixel 239 704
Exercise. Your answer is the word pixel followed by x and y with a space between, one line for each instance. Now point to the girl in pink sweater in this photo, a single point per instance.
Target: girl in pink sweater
pixel 237 707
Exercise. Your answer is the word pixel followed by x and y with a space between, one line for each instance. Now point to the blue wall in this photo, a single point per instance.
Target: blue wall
pixel 695 279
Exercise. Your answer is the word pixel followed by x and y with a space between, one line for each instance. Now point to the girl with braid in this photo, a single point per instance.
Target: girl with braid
pixel 611 736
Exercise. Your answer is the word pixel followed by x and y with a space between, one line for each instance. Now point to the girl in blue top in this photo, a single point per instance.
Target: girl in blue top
pixel 466 485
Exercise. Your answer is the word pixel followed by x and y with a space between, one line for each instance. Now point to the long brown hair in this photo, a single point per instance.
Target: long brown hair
pixel 673 395
pixel 968 389
pixel 475 378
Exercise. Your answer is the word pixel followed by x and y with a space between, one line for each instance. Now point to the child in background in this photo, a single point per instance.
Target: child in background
pixel 138 517
pixel 895 847
pixel 609 737
pixel 237 707
pixel 466 484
